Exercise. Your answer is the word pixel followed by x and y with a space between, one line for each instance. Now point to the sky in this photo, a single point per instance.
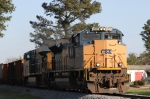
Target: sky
pixel 129 16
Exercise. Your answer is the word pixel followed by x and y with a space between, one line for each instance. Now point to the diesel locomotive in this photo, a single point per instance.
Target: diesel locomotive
pixel 91 60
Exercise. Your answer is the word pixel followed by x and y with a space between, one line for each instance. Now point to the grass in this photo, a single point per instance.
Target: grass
pixel 139 92
pixel 15 95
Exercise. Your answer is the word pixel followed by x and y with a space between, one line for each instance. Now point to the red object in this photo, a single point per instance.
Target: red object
pixel 1 71
pixel 138 76
pixel 11 71
pixel 18 69
pixel 5 70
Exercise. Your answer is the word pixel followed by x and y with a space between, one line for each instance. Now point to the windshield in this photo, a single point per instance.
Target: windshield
pixel 112 36
pixel 90 36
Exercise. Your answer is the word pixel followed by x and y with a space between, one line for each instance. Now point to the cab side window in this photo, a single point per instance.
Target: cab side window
pixel 28 56
pixel 76 39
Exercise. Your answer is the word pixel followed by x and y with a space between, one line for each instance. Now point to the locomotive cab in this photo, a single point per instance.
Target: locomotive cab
pixel 89 35
pixel 36 63
pixel 29 62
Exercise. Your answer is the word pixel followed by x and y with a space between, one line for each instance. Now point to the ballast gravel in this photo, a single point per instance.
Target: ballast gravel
pixel 52 94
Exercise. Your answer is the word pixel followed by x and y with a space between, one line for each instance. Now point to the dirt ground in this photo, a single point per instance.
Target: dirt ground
pixel 147 87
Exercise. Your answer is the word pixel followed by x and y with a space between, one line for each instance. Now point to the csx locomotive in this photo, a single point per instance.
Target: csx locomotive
pixel 91 60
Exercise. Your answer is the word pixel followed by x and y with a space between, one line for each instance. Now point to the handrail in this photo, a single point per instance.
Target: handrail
pixel 88 62
pixel 85 67
pixel 122 59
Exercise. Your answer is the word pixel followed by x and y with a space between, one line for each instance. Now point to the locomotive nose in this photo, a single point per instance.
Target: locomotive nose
pixel 110 54
pixel 110 66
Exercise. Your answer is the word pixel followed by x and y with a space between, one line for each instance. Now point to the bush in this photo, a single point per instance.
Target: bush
pixel 139 82
pixel 135 83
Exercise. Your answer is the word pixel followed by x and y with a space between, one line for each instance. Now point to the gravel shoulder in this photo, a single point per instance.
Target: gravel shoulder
pixel 6 94
pixel 52 94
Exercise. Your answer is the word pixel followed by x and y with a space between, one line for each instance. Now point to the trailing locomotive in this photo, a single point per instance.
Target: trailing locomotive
pixel 91 60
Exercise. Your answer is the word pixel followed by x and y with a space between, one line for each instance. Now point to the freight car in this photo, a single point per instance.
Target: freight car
pixel 12 73
pixel 1 72
pixel 4 73
pixel 91 60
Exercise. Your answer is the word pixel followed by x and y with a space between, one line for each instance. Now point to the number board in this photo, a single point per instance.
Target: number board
pixel 106 51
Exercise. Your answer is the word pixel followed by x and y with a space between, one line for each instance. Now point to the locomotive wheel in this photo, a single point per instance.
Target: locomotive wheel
pixel 57 87
pixel 25 81
pixel 81 88
pixel 87 90
pixel 61 89
pixel 77 88
pixel 52 86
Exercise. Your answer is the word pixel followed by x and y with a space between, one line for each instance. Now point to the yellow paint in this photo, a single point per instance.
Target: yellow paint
pixel 108 68
pixel 118 54
pixel 49 60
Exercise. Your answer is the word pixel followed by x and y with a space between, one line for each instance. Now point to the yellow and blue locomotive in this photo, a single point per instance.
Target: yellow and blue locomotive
pixel 91 60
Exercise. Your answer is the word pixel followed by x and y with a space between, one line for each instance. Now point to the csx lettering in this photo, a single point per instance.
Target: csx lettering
pixel 106 51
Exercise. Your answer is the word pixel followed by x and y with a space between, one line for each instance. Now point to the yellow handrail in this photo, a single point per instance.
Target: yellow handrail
pixel 85 67
pixel 88 62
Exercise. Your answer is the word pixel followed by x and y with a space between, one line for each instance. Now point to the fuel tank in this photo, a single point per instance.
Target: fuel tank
pixel 62 80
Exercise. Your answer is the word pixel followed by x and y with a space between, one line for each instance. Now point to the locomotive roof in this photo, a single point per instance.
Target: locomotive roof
pixel 58 42
pixel 56 45
pixel 43 48
pixel 89 30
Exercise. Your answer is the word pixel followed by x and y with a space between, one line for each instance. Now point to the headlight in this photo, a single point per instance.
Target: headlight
pixel 119 64
pixel 97 64
pixel 104 28
pixel 119 42
pixel 101 28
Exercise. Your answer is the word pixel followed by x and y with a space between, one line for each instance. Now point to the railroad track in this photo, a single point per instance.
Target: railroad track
pixel 136 96
pixel 130 96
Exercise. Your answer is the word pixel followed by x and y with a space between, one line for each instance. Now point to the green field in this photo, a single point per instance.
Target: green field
pixel 139 92
pixel 15 95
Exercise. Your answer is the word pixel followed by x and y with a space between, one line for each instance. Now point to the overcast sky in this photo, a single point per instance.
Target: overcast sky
pixel 129 16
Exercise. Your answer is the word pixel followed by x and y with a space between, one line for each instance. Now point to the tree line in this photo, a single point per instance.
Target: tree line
pixel 143 58
pixel 6 7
